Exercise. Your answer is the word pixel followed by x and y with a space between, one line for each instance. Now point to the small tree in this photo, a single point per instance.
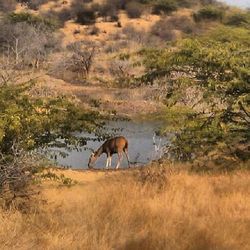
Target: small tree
pixel 81 58
pixel 121 70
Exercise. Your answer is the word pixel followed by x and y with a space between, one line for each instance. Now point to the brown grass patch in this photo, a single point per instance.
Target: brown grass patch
pixel 115 211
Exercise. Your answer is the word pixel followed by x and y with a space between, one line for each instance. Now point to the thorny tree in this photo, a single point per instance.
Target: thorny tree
pixel 82 58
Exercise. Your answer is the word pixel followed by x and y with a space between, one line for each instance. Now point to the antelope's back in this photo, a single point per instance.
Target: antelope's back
pixel 117 144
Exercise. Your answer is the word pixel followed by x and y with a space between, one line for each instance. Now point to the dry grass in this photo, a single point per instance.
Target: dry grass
pixel 127 102
pixel 106 28
pixel 115 211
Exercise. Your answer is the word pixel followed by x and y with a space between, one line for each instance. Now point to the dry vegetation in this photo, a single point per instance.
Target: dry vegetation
pixel 93 64
pixel 112 29
pixel 117 210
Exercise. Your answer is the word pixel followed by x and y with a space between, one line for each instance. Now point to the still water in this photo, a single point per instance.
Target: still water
pixel 238 3
pixel 144 146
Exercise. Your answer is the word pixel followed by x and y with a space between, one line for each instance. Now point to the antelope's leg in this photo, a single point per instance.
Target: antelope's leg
pixel 126 153
pixel 120 156
pixel 108 161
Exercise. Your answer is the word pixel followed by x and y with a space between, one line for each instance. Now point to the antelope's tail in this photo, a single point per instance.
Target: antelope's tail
pixel 126 146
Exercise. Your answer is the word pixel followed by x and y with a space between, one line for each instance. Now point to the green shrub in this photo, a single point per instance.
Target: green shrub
pixel 109 12
pixel 186 3
pixel 164 27
pixel 60 17
pixel 239 19
pixel 164 6
pixel 31 123
pixel 134 9
pixel 28 123
pixel 160 29
pixel 208 13
pixel 32 20
pixel 229 34
pixel 85 16
pixel 207 2
pixel 117 4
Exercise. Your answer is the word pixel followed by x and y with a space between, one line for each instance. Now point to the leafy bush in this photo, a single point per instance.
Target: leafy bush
pixel 109 9
pixel 164 6
pixel 109 12
pixel 164 27
pixel 33 20
pixel 186 3
pixel 16 177
pixel 134 9
pixel 85 16
pixel 117 4
pixel 30 123
pixel 220 70
pixel 208 2
pixel 59 17
pixel 239 19
pixel 208 13
pixel 183 23
pixel 162 30
pixel 83 13
pixel 133 34
pixel 230 35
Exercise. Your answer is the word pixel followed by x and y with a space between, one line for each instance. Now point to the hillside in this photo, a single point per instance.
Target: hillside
pixel 116 62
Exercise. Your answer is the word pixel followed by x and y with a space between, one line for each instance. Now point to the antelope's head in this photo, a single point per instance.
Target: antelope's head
pixel 92 159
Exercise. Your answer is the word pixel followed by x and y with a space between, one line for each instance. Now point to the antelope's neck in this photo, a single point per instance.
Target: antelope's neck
pixel 99 151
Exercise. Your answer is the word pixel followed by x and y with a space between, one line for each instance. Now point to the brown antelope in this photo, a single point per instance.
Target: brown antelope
pixel 116 145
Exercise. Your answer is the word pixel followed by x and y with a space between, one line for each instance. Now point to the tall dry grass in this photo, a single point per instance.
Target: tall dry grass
pixel 118 212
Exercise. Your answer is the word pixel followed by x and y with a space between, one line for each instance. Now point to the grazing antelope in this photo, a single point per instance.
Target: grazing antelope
pixel 116 145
